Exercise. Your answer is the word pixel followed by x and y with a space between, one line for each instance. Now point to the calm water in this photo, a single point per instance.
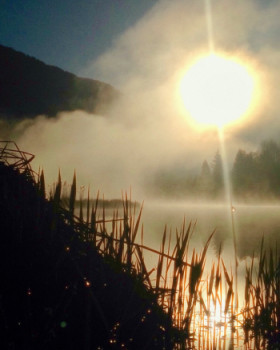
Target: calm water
pixel 251 223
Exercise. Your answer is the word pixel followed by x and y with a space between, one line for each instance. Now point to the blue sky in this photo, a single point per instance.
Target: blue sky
pixel 67 33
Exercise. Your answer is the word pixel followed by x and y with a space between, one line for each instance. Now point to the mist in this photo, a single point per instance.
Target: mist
pixel 148 129
pixel 206 248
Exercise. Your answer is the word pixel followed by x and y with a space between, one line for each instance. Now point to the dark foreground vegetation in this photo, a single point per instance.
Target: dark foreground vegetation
pixel 57 291
pixel 71 282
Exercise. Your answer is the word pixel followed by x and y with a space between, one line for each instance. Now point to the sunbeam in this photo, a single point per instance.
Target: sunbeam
pixel 229 201
pixel 209 23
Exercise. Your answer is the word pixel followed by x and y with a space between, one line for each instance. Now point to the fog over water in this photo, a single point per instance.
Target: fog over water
pixel 251 224
pixel 149 128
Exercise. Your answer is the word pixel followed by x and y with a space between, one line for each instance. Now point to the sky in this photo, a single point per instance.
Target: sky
pixel 67 33
pixel 143 48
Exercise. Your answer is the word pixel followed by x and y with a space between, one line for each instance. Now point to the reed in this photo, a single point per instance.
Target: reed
pixel 192 297
pixel 175 280
pixel 262 297
pixel 195 301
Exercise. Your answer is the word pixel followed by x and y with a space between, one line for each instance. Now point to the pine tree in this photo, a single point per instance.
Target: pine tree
pixel 205 183
pixel 217 175
pixel 246 180
pixel 269 160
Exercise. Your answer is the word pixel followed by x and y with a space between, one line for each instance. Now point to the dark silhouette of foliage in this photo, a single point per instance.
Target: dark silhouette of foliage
pixel 257 174
pixel 245 174
pixel 269 159
pixel 217 174
pixel 205 180
pixel 254 175
pixel 56 290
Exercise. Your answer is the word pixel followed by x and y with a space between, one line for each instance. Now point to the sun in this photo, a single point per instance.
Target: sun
pixel 217 90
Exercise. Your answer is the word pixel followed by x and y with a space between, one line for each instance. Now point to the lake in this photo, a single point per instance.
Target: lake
pixel 250 223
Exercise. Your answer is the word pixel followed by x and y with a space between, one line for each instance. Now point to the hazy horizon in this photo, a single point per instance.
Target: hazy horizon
pixel 149 129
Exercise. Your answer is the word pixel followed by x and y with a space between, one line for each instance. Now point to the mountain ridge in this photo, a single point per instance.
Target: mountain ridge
pixel 29 87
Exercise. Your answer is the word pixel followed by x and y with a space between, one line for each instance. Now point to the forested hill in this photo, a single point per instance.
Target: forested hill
pixel 29 87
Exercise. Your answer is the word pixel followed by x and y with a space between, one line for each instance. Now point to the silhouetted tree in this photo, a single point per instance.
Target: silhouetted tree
pixel 217 175
pixel 246 175
pixel 257 173
pixel 270 165
pixel 205 181
pixel 253 175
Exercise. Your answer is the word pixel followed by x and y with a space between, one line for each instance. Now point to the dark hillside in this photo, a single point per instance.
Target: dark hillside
pixel 56 290
pixel 29 87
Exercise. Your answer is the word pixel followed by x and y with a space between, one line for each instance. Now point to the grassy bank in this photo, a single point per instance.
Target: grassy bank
pixel 81 281
pixel 57 290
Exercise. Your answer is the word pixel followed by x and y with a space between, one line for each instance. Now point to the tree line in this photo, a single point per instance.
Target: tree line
pixel 253 175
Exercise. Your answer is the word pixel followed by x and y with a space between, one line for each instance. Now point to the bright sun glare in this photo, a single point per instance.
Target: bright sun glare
pixel 217 90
